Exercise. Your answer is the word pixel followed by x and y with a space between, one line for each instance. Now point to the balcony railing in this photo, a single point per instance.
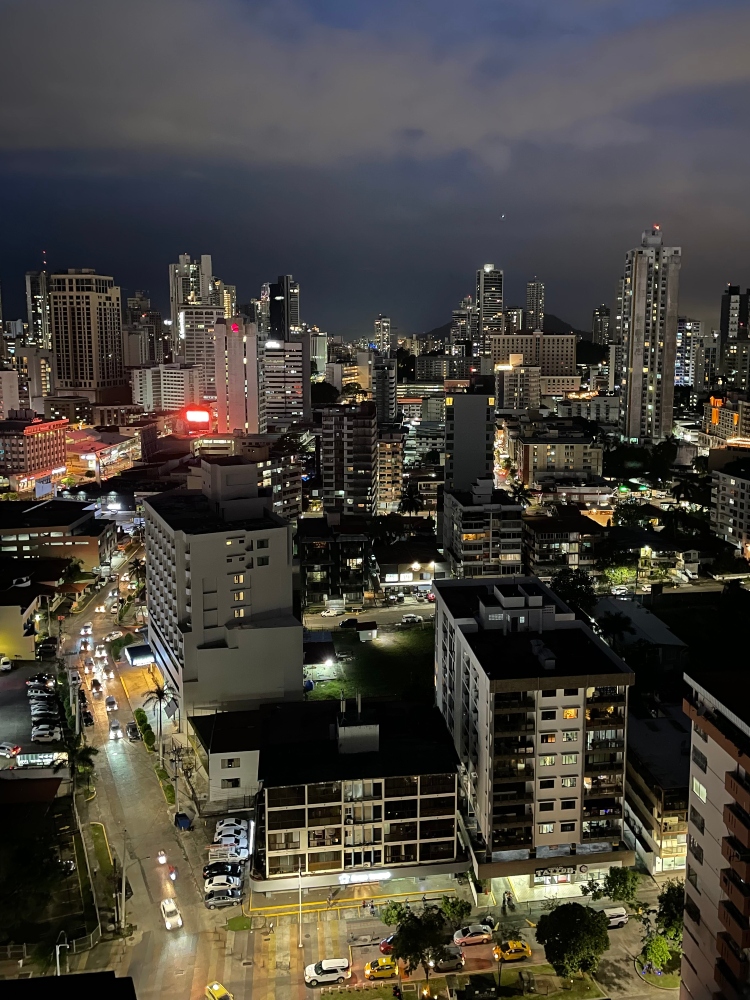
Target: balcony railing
pixel 737 823
pixel 512 822
pixel 603 789
pixel 614 811
pixel 737 856
pixel 613 698
pixel 596 718
pixel 605 745
pixel 731 988
pixel 738 788
pixel 737 891
pixel 737 925
pixel 603 767
pixel 729 952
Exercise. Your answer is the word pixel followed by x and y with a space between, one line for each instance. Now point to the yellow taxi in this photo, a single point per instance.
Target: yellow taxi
pixel 215 991
pixel 381 968
pixel 511 951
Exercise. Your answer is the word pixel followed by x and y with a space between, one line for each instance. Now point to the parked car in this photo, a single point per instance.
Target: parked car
pixel 381 968
pixel 82 696
pixel 88 719
pixel 511 951
pixel 223 897
pixel 229 840
pixel 40 694
pixel 330 613
pixel 115 730
pixel 9 750
pixel 231 830
pixel 329 970
pixel 412 620
pixel 5 664
pixel 431 597
pixel 617 916
pixel 619 591
pixel 134 733
pixel 222 882
pixel 110 703
pixel 452 959
pixel 222 868
pixel 386 945
pixel 348 623
pixel 473 934
pixel 112 636
pixel 46 734
pixel 171 914
pixel 48 680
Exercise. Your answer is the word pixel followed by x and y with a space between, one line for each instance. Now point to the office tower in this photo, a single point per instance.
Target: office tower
pixel 219 574
pixel 600 333
pixel 513 321
pixel 195 341
pixel 535 304
pixel 382 335
pixel 283 307
pixel 37 310
pixel 649 338
pixel 553 353
pixel 167 387
pixel 9 399
pixel 482 531
pixel 469 439
pixel 517 385
pixel 384 389
pixel 734 313
pixel 707 360
pixel 287 381
pixel 86 329
pixel 490 305
pixel 225 296
pixel 240 387
pixel 318 351
pixel 463 323
pixel 689 334
pixel 717 882
pixel 537 707
pixel 349 458
pixel 191 283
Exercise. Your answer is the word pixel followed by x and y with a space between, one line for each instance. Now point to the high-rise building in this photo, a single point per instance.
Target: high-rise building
pixel 717 880
pixel 382 334
pixel 349 458
pixel 9 399
pixel 553 353
pixel 537 707
pixel 463 324
pixel 391 439
pixel 600 332
pixel 35 366
pixel 135 306
pixel 384 389
pixel 240 387
pixel 490 307
pixel 226 297
pixel 469 439
pixel 514 321
pixel 517 385
pixel 37 310
pixel 86 326
pixel 318 351
pixel 535 304
pixel 707 356
pixel 649 338
pixel 734 313
pixel 689 335
pixel 191 283
pixel 286 371
pixel 730 503
pixel 283 307
pixel 167 387
pixel 195 343
pixel 219 572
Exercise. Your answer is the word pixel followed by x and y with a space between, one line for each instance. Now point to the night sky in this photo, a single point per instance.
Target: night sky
pixel 370 147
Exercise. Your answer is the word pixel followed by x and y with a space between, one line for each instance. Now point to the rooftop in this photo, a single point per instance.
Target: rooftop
pixel 563 522
pixel 41 513
pixel 191 511
pixel 297 741
pixel 647 626
pixel 468 499
pixel 662 746
pixel 731 689
pixel 462 597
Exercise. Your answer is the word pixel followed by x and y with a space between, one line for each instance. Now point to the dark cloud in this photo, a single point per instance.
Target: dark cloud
pixel 371 149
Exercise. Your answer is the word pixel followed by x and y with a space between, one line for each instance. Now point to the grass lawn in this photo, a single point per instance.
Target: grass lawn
pixel 103 856
pixel 670 976
pixel 545 983
pixel 166 784
pixel 399 663
pixel 239 924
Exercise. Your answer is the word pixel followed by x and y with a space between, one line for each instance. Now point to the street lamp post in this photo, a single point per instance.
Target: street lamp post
pixel 299 944
pixel 124 867
pixel 60 944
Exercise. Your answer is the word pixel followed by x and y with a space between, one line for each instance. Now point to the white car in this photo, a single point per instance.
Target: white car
pixel 231 841
pixel 330 613
pixel 112 636
pixel 218 852
pixel 46 734
pixel 115 730
pixel 9 750
pixel 411 619
pixel 619 591
pixel 231 821
pixel 101 651
pixel 111 703
pixel 100 609
pixel 222 882
pixel 5 663
pixel 170 913
pixel 231 831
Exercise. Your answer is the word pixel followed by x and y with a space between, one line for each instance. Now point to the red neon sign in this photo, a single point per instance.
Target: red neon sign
pixel 198 416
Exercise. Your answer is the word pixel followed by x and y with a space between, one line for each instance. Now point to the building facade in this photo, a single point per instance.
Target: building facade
pixel 349 458
pixel 334 559
pixel 382 335
pixel 730 504
pixel 535 304
pixel 489 302
pixel 195 342
pixel 240 385
pixel 167 387
pixel 482 532
pixel 553 353
pixel 37 310
pixel 562 540
pixel 469 439
pixel 600 328
pixel 286 370
pixel 57 529
pixel 31 450
pixel 283 307
pixel 391 439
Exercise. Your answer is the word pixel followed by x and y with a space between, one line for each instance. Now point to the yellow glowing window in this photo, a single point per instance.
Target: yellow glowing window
pixel 570 713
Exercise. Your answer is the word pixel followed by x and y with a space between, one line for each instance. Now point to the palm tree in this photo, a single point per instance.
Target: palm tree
pixel 615 625
pixel 80 759
pixel 158 696
pixel 411 501
pixel 521 494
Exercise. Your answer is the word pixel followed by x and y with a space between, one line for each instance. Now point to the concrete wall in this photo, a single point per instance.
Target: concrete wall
pixel 13 642
pixel 244 767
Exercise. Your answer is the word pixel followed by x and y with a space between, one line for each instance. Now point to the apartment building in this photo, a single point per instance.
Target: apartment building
pixel 725 421
pixel 536 704
pixel 167 387
pixel 602 410
pixel 391 438
pixel 335 560
pixel 286 372
pixel 543 449
pixel 656 790
pixel 482 531
pixel 219 575
pixel 469 439
pixel 344 792
pixel 57 528
pixel 429 367
pixel 553 353
pixel 716 938
pixel 554 541
pixel 240 384
pixel 32 450
pixel 730 504
pixel 349 458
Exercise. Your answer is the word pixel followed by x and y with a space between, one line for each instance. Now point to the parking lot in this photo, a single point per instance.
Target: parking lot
pixel 15 717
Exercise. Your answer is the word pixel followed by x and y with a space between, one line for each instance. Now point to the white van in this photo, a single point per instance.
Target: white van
pixel 617 916
pixel 329 970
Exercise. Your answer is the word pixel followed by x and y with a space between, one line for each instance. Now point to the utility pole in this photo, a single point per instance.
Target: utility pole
pixel 124 856
pixel 299 944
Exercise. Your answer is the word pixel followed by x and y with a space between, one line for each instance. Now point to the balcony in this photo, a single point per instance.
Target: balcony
pixel 737 856
pixel 732 956
pixel 511 799
pixel 596 718
pixel 604 832
pixel 603 790
pixel 737 925
pixel 605 744
pixel 737 823
pixel 736 890
pixel 505 774
pixel 514 705
pixel 516 724
pixel 731 988
pixel 603 767
pixel 738 788
pixel 607 698
pixel 614 811
pixel 512 822
pixel 512 748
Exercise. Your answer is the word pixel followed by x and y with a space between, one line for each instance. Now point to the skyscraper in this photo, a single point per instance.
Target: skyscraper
pixel 513 321
pixel 600 333
pixel 194 343
pixel 535 304
pixel 37 309
pixel 490 306
pixel 86 330
pixel 283 307
pixel 191 283
pixel 649 338
pixel 469 439
pixel 318 351
pixel 349 458
pixel 734 313
pixel 688 338
pixel 384 389
pixel 287 380
pixel 382 336
pixel 463 325
pixel 240 389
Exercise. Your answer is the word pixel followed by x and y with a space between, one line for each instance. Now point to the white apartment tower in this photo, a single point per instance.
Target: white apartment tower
pixel 167 387
pixel 195 341
pixel 287 380
pixel 648 329
pixel 490 307
pixel 240 388
pixel 219 571
pixel 535 304
pixel 86 327
pixel 382 334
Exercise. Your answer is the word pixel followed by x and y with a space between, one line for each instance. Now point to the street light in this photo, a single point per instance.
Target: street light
pixel 60 944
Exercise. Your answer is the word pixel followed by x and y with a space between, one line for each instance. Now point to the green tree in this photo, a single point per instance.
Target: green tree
pixel 392 913
pixel 614 626
pixel 323 394
pixel 619 884
pixel 574 586
pixel 657 951
pixel 455 910
pixel 521 494
pixel 80 759
pixel 419 937
pixel 157 698
pixel 351 389
pixel 574 938
pixel 411 500
pixel 670 913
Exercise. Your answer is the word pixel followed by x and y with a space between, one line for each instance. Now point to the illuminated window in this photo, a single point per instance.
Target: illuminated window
pixel 570 758
pixel 571 736
pixel 548 737
pixel 547 761
pixel 546 827
pixel 239 612
pixel 238 595
pixel 239 577
pixel 569 782
pixel 699 790
pixel 570 713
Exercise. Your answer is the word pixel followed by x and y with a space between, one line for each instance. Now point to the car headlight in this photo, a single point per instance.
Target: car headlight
pixel 179 921
pixel 168 925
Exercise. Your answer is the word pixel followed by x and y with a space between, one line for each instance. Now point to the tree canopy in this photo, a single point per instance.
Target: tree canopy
pixel 418 936
pixel 574 586
pixel 323 394
pixel 455 909
pixel 669 916
pixel 619 884
pixel 574 938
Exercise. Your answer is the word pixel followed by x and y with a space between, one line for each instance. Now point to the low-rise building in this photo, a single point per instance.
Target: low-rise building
pixel 559 538
pixel 482 531
pixel 58 529
pixel 603 410
pixel 32 450
pixel 656 789
pixel 725 420
pixel 76 410
pixel 343 793
pixel 334 560
pixel 408 566
pixel 645 628
pixel 548 448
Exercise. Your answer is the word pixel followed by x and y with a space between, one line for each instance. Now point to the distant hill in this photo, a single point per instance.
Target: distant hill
pixel 553 324
pixel 439 333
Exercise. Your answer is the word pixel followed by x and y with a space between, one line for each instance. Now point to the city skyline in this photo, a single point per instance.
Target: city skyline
pixel 597 144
